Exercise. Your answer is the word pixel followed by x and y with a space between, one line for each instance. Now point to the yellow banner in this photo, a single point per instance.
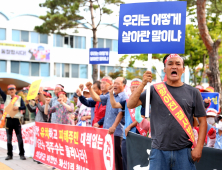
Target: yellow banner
pixel 33 91
pixel 12 45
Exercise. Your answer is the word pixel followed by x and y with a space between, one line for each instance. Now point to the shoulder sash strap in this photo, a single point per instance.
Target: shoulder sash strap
pixel 132 115
pixel 5 113
pixel 175 110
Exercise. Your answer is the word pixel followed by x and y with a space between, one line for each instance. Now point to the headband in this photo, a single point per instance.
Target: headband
pixel 135 83
pixel 107 80
pixel 59 86
pixel 47 94
pixel 171 56
pixel 61 92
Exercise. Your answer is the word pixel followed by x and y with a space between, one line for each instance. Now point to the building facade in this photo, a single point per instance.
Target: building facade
pixel 68 63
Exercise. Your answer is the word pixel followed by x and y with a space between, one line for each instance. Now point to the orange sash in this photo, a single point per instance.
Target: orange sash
pixel 175 110
pixel 5 113
pixel 132 115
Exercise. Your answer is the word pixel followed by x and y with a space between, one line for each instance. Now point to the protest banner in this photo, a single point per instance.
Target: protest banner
pixel 74 147
pixel 99 56
pixel 33 91
pixel 35 52
pixel 139 151
pixel 152 27
pixel 214 99
pixel 27 136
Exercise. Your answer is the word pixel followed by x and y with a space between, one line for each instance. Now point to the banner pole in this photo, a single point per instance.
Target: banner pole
pixel 98 72
pixel 147 112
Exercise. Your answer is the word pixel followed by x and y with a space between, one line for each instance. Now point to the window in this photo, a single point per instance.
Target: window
pixel 100 43
pixel 115 45
pixel 80 42
pixel 109 44
pixel 39 38
pixel 65 70
pixel 162 75
pixel 34 69
pixel 83 71
pixel 24 68
pixel 34 37
pixel 24 36
pixel 2 34
pixel 57 40
pixel 44 38
pixel 20 36
pixel 15 67
pixel 110 69
pixel 44 67
pixel 2 66
pixel 75 70
pixel 103 69
pixel 16 35
pixel 57 69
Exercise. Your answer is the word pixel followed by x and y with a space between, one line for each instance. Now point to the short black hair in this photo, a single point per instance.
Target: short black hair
pixel 124 81
pixel 165 57
pixel 98 84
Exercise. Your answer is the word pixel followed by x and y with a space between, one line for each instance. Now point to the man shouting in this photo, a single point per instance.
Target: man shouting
pixel 173 105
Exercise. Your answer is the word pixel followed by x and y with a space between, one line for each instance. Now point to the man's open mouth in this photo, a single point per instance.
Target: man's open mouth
pixel 173 73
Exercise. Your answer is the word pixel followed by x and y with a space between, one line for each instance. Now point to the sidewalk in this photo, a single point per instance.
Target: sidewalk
pixel 17 164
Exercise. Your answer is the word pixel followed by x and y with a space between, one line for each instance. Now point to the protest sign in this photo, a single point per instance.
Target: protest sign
pixel 214 99
pixel 139 152
pixel 74 147
pixel 152 27
pixel 27 136
pixel 34 88
pixel 99 56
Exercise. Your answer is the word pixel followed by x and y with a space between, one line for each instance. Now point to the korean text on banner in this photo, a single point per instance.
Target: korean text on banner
pixel 99 56
pixel 73 147
pixel 152 27
pixel 34 88
pixel 214 99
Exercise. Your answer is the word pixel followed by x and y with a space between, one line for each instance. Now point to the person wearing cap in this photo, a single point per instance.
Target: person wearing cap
pixel 53 101
pixel 39 107
pixel 174 104
pixel 100 110
pixel 84 113
pixel 215 133
pixel 13 123
pixel 62 111
pixel 111 114
pixel 130 125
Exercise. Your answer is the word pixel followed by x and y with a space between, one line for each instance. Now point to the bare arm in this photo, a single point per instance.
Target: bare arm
pixel 112 99
pixel 130 127
pixel 69 108
pixel 115 124
pixel 134 99
pixel 197 152
pixel 93 94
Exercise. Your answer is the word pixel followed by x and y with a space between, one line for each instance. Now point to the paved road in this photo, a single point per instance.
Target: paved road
pixel 17 164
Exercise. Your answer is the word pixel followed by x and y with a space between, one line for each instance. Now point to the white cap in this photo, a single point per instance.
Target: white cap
pixel 86 90
pixel 211 112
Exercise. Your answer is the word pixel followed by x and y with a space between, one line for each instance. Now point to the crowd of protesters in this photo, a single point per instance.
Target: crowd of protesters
pixel 105 104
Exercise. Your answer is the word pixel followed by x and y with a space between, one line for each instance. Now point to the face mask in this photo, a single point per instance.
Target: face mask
pixel 219 126
pixel 210 120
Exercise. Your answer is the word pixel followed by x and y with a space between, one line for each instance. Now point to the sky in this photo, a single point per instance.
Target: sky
pixel 32 7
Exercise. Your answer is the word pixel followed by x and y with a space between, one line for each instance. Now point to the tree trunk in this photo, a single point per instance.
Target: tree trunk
pixel 212 48
pixel 94 29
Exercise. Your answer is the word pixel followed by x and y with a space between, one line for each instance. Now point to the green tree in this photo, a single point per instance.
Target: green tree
pixel 66 14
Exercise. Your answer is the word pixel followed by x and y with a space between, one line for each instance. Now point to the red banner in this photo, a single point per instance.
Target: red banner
pixel 74 147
